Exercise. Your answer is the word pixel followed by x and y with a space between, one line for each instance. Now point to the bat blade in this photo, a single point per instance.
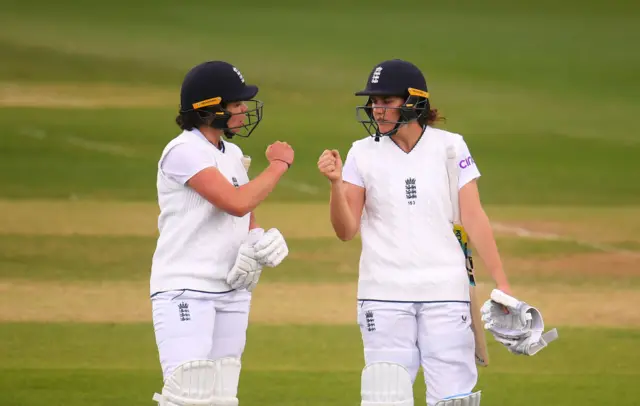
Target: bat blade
pixel 482 352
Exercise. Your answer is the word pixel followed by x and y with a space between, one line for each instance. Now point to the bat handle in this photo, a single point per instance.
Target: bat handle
pixel 499 296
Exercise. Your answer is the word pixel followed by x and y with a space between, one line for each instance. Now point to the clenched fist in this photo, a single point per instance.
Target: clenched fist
pixel 280 151
pixel 330 165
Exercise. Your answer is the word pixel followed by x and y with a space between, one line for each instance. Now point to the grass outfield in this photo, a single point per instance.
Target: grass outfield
pixel 76 317
pixel 112 154
pixel 75 364
pixel 525 84
pixel 545 94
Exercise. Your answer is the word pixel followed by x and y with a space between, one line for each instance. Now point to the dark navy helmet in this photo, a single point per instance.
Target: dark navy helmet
pixel 209 86
pixel 396 78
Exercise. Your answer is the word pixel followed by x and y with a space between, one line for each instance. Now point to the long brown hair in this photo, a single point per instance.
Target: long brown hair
pixel 431 118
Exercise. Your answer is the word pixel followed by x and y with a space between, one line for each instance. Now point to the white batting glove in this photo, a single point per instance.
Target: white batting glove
pixel 271 249
pixel 246 271
pixel 515 324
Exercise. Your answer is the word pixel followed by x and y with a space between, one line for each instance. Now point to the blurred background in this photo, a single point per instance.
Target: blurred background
pixel 546 95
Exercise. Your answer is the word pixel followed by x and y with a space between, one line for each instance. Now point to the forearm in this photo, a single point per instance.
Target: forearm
pixel 254 192
pixel 480 234
pixel 342 219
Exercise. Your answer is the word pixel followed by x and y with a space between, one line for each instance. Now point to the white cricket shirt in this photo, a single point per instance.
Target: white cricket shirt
pixel 198 243
pixel 409 250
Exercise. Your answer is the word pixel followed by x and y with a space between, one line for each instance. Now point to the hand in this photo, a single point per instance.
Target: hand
pixel 280 151
pixel 271 249
pixel 246 270
pixel 330 165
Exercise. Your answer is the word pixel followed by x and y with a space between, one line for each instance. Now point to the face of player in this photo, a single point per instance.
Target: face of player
pixel 238 111
pixel 385 111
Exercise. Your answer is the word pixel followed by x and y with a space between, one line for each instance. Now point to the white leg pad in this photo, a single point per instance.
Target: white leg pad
pixel 202 383
pixel 468 399
pixel 386 384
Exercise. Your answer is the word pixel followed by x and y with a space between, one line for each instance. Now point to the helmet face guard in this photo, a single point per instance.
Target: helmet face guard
pixel 219 117
pixel 214 113
pixel 415 106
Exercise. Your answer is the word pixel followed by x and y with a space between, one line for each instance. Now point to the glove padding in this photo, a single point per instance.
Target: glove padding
pixel 515 324
pixel 271 249
pixel 246 271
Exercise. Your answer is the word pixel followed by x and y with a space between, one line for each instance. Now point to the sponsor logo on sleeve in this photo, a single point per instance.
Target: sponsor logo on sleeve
pixel 467 162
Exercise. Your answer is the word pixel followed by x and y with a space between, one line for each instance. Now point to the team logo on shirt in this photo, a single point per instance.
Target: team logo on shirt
pixel 371 323
pixel 235 181
pixel 411 190
pixel 183 310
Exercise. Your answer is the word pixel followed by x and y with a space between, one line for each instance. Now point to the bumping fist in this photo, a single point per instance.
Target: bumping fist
pixel 330 165
pixel 280 151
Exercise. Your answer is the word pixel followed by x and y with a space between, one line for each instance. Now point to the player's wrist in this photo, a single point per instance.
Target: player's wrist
pixel 504 287
pixel 280 164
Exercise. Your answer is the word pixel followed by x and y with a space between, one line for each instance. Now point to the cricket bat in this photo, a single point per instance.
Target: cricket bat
pixel 481 351
pixel 246 162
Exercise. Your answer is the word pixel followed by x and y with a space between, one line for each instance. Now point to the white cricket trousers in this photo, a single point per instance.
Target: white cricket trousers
pixel 193 325
pixel 436 336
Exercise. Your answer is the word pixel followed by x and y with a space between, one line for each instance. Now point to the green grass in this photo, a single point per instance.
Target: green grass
pixel 292 365
pixel 67 66
pixel 90 258
pixel 75 258
pixel 105 388
pixel 40 158
pixel 311 260
pixel 545 102
pixel 628 245
pixel 526 248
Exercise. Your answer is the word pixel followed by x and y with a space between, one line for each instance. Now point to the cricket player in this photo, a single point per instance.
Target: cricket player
pixel 413 289
pixel 210 251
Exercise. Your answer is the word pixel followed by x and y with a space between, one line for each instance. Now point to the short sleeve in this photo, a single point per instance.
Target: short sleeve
pixel 350 172
pixel 467 166
pixel 185 160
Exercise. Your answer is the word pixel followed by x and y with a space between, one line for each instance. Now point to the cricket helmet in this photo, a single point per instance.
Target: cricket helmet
pixel 209 86
pixel 397 78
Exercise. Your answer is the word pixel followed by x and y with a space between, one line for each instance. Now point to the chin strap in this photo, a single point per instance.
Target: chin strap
pixel 376 137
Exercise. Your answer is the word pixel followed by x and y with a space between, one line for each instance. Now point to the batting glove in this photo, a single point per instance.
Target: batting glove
pixel 515 324
pixel 246 271
pixel 271 249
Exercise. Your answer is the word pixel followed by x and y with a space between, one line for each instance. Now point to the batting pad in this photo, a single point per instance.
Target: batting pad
pixel 468 399
pixel 386 384
pixel 202 383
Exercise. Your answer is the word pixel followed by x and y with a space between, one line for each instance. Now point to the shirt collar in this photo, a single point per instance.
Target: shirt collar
pixel 197 132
